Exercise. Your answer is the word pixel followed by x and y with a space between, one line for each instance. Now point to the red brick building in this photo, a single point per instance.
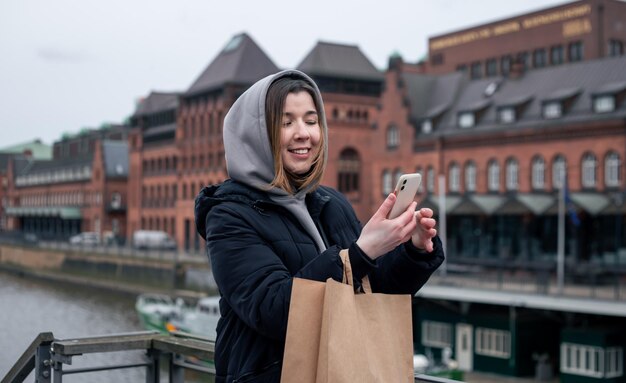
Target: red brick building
pixel 503 146
pixel 176 142
pixel 82 188
pixel 572 32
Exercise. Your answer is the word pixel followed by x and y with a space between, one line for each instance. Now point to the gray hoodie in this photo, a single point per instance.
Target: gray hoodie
pixel 248 153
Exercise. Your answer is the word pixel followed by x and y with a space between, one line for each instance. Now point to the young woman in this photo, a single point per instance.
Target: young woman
pixel 271 222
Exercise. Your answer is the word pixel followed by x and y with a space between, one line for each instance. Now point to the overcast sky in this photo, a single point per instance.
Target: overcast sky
pixel 72 64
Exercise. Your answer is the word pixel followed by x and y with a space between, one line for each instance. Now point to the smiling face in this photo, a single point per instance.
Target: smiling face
pixel 300 133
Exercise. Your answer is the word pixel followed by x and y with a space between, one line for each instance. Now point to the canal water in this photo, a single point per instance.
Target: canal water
pixel 28 307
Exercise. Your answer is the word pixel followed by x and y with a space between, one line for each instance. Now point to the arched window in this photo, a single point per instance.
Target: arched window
pixel 512 174
pixel 430 179
pixel 589 170
pixel 493 176
pixel 559 171
pixel 348 171
pixel 612 169
pixel 393 137
pixel 470 177
pixel 454 180
pixel 538 173
pixel 387 182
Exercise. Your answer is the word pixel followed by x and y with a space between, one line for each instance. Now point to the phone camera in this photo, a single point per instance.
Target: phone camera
pixel 402 188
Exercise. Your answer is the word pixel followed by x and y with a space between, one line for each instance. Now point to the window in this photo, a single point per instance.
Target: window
pixel 589 165
pixel 430 179
pixel 427 126
pixel 604 104
pixel 393 138
pixel 616 48
pixel 492 67
pixel 614 362
pixel 454 182
pixel 538 173
pixel 556 55
pixel 522 58
pixel 437 59
pixel 348 171
pixel 477 69
pixel 461 68
pixel 387 182
pixel 493 176
pixel 552 109
pixel 506 115
pixel 578 359
pixel 466 119
pixel 575 51
pixel 505 65
pixel 116 200
pixel 612 165
pixel 559 167
pixel 512 174
pixel 470 177
pixel 436 334
pixel 495 343
pixel 539 58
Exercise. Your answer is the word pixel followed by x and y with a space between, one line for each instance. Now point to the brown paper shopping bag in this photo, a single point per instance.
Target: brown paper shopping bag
pixel 336 336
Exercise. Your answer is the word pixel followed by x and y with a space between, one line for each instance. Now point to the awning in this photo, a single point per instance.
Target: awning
pixel 512 206
pixel 617 203
pixel 537 203
pixel 451 202
pixel 488 203
pixel 65 212
pixel 592 203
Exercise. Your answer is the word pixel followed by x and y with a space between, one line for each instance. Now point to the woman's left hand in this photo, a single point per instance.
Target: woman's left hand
pixel 423 234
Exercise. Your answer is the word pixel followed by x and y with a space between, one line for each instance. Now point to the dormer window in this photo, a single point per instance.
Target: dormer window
pixel 559 102
pixel 466 119
pixel 507 115
pixel 604 104
pixel 427 126
pixel 552 109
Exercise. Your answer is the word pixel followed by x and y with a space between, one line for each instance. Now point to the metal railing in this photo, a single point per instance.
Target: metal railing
pixel 48 357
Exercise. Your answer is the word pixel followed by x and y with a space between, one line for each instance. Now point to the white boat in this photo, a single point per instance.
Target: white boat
pixel 200 320
pixel 156 310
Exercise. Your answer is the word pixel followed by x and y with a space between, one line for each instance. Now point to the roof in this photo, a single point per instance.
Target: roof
pixel 429 96
pixel 38 149
pixel 115 156
pixel 339 60
pixel 575 82
pixel 157 102
pixel 532 301
pixel 241 61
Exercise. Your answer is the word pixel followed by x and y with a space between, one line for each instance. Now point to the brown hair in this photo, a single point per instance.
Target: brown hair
pixel 274 106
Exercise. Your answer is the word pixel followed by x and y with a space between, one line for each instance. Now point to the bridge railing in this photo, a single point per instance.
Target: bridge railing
pixel 49 357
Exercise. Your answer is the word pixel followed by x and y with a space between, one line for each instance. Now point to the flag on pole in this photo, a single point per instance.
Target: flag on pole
pixel 569 205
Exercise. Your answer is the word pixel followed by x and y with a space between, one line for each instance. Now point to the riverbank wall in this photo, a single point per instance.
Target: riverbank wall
pixel 126 272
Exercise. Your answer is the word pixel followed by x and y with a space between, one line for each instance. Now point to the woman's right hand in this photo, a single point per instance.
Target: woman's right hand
pixel 381 235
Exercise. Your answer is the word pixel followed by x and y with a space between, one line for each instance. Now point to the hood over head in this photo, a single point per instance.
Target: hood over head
pixel 247 146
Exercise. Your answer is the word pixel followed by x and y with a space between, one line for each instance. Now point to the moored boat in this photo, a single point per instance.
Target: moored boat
pixel 156 310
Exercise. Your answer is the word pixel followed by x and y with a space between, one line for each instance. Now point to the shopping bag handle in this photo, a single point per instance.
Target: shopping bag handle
pixel 347 273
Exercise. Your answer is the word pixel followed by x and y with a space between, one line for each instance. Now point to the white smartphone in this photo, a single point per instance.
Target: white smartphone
pixel 405 193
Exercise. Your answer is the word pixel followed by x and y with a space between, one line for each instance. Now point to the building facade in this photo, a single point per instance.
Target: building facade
pixel 74 191
pixel 572 32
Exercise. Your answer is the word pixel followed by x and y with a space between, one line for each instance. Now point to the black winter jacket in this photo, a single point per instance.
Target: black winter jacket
pixel 256 247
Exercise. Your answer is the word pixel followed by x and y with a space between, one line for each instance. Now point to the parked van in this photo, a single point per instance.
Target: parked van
pixel 153 239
